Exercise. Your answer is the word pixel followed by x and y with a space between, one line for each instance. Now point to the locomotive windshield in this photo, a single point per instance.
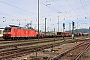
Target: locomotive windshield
pixel 7 29
pixel 30 28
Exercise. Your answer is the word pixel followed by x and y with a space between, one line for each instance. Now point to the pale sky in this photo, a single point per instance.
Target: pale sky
pixel 25 11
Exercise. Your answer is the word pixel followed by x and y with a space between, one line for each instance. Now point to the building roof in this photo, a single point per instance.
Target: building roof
pixel 1 28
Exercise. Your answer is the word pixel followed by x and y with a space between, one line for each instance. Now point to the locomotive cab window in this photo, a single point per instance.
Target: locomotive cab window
pixel 8 29
pixel 30 28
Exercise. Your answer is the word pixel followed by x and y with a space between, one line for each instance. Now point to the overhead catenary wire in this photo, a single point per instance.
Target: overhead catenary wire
pixel 50 7
pixel 71 7
pixel 10 15
pixel 46 6
pixel 75 9
pixel 16 7
pixel 57 4
pixel 83 8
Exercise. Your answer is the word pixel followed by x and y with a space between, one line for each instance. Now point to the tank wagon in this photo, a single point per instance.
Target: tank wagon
pixel 16 32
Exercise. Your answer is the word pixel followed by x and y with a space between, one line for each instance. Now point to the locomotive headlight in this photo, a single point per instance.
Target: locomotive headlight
pixel 8 32
pixel 4 33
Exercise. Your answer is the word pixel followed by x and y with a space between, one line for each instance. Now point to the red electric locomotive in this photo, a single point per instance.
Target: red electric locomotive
pixel 16 32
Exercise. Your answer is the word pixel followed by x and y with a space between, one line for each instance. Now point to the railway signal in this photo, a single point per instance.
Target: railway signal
pixel 63 25
pixel 63 30
pixel 73 24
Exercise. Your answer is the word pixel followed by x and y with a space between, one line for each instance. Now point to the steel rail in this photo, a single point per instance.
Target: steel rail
pixel 28 50
pixel 65 52
pixel 31 43
pixel 78 56
pixel 24 51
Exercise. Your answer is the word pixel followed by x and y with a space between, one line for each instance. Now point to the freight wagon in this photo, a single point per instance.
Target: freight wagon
pixel 64 34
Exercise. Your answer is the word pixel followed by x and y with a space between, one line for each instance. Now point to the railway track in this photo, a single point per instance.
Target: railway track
pixel 3 43
pixel 24 43
pixel 78 56
pixel 73 53
pixel 10 53
pixel 14 44
pixel 17 52
pixel 30 40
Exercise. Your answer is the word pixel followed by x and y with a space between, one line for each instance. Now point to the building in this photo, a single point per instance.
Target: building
pixel 1 32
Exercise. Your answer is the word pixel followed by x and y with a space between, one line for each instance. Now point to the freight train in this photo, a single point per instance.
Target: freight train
pixel 16 32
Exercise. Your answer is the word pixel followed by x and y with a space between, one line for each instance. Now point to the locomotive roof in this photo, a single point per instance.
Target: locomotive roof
pixel 1 28
pixel 21 27
pixel 13 26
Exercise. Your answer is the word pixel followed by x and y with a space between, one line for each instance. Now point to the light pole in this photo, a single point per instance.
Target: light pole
pixel 19 22
pixel 76 28
pixel 38 20
pixel 25 22
pixel 5 19
pixel 89 32
pixel 45 26
pixel 70 27
pixel 58 23
pixel 53 30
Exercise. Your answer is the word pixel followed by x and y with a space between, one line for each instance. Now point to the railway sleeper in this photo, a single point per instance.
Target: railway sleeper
pixel 65 52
